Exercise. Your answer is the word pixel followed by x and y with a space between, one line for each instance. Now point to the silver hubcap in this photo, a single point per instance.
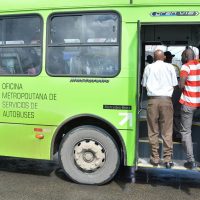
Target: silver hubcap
pixel 89 155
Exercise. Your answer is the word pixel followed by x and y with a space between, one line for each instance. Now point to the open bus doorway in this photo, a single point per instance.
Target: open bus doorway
pixel 173 38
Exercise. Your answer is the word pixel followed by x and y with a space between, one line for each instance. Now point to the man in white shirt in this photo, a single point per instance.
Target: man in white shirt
pixel 159 78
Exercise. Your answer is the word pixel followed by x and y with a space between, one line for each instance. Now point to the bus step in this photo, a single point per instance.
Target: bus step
pixel 178 164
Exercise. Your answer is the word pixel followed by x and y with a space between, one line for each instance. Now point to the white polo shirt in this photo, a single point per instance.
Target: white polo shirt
pixel 159 78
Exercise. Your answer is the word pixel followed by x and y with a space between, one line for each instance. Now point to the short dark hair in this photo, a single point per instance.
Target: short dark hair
pixel 168 54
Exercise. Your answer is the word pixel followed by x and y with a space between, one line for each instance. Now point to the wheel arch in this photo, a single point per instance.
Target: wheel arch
pixel 88 119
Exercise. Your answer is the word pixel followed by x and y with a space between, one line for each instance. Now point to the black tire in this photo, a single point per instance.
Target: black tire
pixel 96 136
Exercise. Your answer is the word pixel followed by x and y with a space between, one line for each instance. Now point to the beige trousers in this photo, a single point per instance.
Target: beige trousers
pixel 160 122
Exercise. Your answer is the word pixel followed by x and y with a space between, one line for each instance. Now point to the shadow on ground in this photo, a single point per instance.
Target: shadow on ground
pixel 182 180
pixel 28 166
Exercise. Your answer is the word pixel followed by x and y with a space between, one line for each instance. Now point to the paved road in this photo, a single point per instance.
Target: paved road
pixel 26 180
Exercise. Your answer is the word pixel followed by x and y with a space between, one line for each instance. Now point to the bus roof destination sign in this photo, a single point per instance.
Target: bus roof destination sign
pixel 172 14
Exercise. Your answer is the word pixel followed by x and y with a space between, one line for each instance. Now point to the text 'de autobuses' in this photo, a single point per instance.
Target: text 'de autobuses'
pixel 17 102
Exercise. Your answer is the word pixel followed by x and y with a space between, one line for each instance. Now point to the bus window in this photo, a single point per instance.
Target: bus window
pixel 20 49
pixel 102 28
pixel 89 61
pixel 18 61
pixel 91 28
pixel 83 45
pixel 25 29
pixel 60 31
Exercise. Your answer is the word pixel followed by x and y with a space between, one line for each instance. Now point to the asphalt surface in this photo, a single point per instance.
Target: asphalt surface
pixel 30 179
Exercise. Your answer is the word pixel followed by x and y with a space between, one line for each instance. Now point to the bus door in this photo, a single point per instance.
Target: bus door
pixel 173 38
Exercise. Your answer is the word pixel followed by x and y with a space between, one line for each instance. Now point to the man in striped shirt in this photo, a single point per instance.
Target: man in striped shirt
pixel 190 100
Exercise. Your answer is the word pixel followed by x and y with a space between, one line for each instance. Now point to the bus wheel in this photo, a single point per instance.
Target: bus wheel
pixel 89 155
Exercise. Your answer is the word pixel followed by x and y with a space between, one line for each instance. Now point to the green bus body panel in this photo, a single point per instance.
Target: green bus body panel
pixel 52 4
pixel 19 140
pixel 144 14
pixel 47 4
pixel 64 101
pixel 46 102
pixel 163 2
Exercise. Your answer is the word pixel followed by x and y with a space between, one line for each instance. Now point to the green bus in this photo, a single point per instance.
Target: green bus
pixel 70 74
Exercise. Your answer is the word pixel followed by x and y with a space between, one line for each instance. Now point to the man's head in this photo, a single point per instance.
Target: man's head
pixel 159 55
pixel 187 55
pixel 168 56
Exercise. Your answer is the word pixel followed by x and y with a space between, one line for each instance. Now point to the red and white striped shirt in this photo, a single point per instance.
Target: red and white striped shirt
pixel 191 92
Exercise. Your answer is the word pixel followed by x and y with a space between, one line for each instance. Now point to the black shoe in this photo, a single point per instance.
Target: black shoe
pixel 169 165
pixel 154 163
pixel 190 165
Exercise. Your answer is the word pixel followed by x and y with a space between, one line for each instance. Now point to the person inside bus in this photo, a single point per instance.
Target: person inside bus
pixel 56 62
pixel 28 65
pixel 149 60
pixel 175 100
pixel 168 59
pixel 190 101
pixel 159 78
pixel 31 71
